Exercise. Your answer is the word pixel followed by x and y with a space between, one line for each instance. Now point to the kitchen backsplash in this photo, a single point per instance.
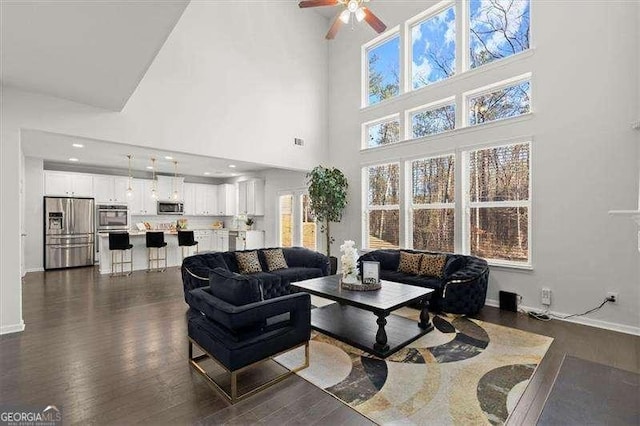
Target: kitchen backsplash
pixel 194 222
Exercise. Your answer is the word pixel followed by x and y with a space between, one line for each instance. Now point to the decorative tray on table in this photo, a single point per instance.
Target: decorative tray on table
pixel 360 286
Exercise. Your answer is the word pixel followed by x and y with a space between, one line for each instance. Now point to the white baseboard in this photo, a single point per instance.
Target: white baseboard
pixel 15 328
pixel 34 270
pixel 622 328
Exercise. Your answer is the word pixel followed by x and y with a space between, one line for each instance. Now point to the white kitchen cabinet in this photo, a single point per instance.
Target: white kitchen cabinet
pixel 67 184
pixel 141 203
pixel 168 184
pixel 251 197
pixel 226 200
pixel 254 240
pixel 205 240
pixel 220 240
pixel 120 186
pixel 110 189
pixel 189 199
pixel 206 199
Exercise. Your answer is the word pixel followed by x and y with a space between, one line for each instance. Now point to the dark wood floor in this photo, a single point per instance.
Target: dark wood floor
pixel 114 350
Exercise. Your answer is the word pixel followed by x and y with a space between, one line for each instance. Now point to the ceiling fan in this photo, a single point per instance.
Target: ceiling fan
pixel 352 7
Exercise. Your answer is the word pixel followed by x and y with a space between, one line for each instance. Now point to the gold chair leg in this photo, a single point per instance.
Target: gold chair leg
pixel 234 397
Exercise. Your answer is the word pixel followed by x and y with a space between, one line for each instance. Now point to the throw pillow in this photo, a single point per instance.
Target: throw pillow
pixel 248 262
pixel 433 265
pixel 234 288
pixel 275 259
pixel 409 263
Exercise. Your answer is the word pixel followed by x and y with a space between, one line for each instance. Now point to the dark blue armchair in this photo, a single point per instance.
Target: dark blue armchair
pixel 231 324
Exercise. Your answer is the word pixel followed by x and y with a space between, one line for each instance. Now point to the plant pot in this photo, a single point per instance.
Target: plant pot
pixel 333 265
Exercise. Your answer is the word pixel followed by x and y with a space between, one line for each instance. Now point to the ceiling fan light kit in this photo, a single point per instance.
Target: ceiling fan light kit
pixel 351 7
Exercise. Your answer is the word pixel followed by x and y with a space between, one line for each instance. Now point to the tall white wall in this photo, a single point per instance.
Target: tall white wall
pixel 33 193
pixel 584 153
pixel 235 79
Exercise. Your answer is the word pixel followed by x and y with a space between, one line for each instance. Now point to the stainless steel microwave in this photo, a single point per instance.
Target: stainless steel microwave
pixel 170 207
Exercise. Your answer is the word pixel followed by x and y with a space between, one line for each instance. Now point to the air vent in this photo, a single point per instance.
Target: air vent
pixel 298 141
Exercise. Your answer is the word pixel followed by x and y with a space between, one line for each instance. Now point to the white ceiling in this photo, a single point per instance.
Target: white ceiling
pixel 91 51
pixel 59 148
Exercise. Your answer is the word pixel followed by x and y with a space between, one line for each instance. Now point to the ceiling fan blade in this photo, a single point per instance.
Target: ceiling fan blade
pixel 337 23
pixel 374 21
pixel 317 3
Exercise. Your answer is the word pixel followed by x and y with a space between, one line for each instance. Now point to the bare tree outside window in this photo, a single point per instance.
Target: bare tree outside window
pixel 384 70
pixel 433 205
pixel 286 220
pixel 382 133
pixel 309 227
pixel 508 102
pixel 433 48
pixel 383 210
pixel 500 202
pixel 498 28
pixel 432 121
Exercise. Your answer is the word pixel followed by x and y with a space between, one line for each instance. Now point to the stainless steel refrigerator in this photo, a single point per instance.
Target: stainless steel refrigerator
pixel 69 232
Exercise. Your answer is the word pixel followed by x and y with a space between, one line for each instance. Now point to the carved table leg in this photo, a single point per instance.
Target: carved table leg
pixel 381 335
pixel 425 321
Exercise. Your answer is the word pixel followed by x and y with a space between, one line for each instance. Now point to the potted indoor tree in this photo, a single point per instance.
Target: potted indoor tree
pixel 328 198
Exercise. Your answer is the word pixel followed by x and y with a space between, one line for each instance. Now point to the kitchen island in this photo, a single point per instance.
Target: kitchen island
pixel 208 240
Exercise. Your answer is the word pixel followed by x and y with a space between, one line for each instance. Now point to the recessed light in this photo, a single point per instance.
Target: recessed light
pixel 233 166
pixel 150 167
pixel 73 159
pixel 168 157
pixel 77 145
pixel 207 173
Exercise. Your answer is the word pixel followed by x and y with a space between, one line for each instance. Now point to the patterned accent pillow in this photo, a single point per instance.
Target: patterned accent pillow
pixel 275 259
pixel 248 262
pixel 433 265
pixel 409 263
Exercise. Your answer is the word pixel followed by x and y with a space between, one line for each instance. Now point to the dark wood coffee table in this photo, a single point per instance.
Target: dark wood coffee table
pixel 350 319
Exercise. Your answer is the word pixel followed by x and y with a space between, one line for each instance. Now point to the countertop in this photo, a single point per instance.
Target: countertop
pixel 134 233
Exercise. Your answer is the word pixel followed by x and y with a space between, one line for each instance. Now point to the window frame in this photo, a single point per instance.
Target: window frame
pixel 467 204
pixel 466 9
pixel 297 232
pixel 408 41
pixel 367 208
pixel 365 130
pixel 364 60
pixel 494 87
pixel 410 207
pixel 409 113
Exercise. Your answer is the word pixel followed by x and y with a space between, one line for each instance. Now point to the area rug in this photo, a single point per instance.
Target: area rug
pixel 464 372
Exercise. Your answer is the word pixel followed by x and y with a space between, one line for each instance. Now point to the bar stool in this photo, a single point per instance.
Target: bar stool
pixel 119 241
pixel 155 240
pixel 186 239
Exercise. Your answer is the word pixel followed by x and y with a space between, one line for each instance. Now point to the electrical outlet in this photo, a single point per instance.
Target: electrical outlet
pixel 612 297
pixel 545 296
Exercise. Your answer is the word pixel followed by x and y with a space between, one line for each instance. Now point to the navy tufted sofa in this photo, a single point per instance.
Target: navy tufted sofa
pixel 462 290
pixel 303 264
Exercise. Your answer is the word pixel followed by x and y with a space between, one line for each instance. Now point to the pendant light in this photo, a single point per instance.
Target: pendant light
pixel 129 189
pixel 154 183
pixel 175 194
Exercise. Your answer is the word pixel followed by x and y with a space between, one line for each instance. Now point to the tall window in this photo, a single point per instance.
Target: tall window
pixel 432 120
pixel 499 203
pixel 383 70
pixel 497 29
pixel 433 48
pixel 383 205
pixel 432 203
pixel 382 132
pixel 308 224
pixel 286 220
pixel 509 101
